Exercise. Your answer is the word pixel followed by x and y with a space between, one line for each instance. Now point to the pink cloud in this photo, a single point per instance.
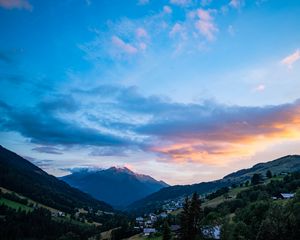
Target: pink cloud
pixel 167 9
pixel 18 4
pixel 125 47
pixel 291 59
pixel 236 3
pixel 177 28
pixel 141 33
pixel 205 24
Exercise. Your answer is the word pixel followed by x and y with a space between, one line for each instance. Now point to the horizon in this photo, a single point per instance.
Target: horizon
pixel 184 91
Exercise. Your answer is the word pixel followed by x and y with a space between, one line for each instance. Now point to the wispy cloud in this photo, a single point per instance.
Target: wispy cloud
pixel 180 2
pixel 167 9
pixel 123 46
pixel 143 2
pixel 48 149
pixel 236 3
pixel 16 4
pixel 291 59
pixel 205 24
pixel 260 88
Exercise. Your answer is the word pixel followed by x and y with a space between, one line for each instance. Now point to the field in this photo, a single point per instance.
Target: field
pixel 15 205
pixel 140 237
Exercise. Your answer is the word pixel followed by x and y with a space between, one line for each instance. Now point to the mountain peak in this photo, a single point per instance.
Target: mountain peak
pixel 120 170
pixel 118 186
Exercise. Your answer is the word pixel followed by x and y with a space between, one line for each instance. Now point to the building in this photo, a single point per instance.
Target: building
pixel 212 232
pixel 139 219
pixel 149 231
pixel 287 195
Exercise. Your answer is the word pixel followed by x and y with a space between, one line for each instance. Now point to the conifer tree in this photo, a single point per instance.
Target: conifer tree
pixel 190 218
pixel 166 231
pixel 196 214
pixel 185 220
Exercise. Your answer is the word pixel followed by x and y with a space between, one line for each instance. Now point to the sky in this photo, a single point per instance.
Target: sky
pixel 183 90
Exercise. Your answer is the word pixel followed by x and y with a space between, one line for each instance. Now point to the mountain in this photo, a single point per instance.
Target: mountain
pixel 117 186
pixel 290 163
pixel 21 176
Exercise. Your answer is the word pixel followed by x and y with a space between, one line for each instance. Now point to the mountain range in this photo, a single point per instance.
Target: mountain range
pixel 290 163
pixel 119 187
pixel 116 186
pixel 19 175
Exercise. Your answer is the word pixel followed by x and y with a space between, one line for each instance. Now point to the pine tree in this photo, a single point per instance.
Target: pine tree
pixel 255 179
pixel 269 174
pixel 185 220
pixel 166 231
pixel 196 214
pixel 190 218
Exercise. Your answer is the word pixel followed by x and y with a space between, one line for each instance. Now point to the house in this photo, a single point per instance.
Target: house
pixel 139 219
pixel 212 232
pixel 148 231
pixel 153 218
pixel 175 228
pixel 287 195
pixel 163 215
pixel 148 223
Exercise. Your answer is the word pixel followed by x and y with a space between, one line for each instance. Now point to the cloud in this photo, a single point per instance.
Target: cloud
pixel 114 119
pixel 16 4
pixel 231 30
pixel 46 128
pixel 110 151
pixel 205 2
pixel 206 133
pixel 47 149
pixel 176 29
pixel 291 59
pixel 236 3
pixel 124 47
pixel 143 2
pixel 40 163
pixel 205 24
pixel 260 88
pixel 167 9
pixel 181 2
pixel 141 33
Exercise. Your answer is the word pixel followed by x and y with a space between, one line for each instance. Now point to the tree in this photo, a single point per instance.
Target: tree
pixel 255 179
pixel 196 213
pixel 191 217
pixel 166 231
pixel 185 220
pixel 240 231
pixel 269 174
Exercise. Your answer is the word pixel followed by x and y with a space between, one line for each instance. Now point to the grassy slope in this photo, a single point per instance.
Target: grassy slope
pixel 16 205
pixel 232 193
pixel 141 237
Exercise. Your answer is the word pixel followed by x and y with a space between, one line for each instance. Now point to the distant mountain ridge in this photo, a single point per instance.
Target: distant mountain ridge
pixel 117 186
pixel 21 176
pixel 290 163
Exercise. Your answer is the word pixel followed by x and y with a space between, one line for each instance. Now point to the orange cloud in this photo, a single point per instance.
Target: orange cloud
pixel 232 140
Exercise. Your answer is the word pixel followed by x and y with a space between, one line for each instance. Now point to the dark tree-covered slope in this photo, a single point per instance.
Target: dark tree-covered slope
pixel 21 176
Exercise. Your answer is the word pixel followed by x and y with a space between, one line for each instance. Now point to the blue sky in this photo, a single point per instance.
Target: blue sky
pixel 183 90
